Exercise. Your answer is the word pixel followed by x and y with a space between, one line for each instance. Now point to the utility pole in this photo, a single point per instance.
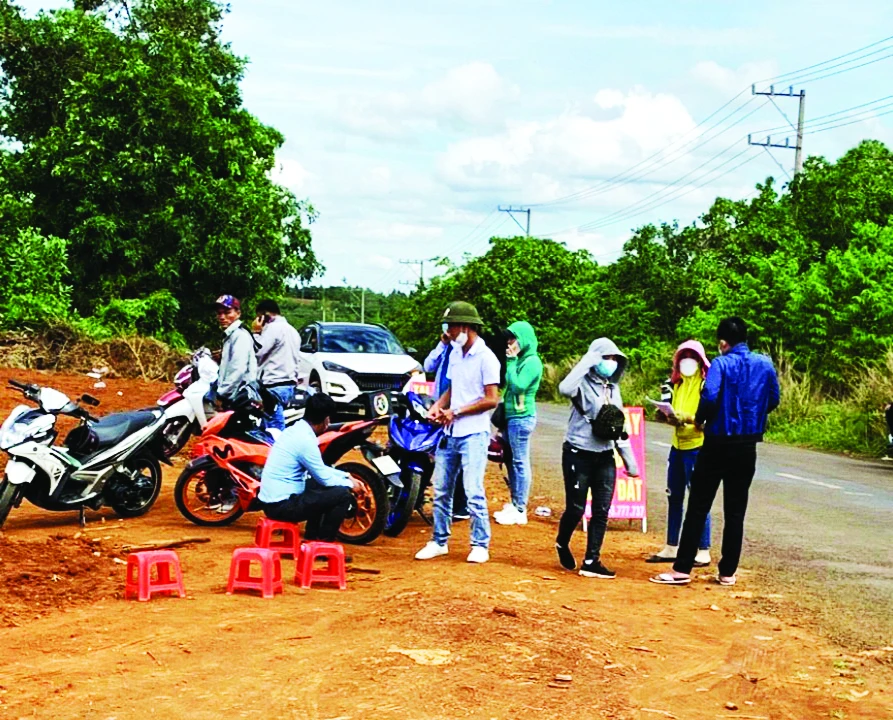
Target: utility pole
pixel 511 210
pixel 362 299
pixel 797 147
pixel 421 271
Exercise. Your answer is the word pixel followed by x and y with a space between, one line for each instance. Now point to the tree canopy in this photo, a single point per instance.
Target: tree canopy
pixel 809 267
pixel 126 148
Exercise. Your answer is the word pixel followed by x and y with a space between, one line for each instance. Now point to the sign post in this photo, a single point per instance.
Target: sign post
pixel 630 496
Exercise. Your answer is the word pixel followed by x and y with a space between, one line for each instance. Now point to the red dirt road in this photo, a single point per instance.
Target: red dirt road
pixel 416 640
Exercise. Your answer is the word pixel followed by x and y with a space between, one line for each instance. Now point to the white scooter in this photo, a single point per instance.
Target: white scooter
pixel 111 461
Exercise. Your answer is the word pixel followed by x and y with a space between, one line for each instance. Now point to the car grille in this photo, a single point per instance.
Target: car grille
pixel 369 382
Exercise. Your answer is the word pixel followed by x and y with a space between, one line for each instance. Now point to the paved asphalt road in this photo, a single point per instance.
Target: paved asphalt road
pixel 822 518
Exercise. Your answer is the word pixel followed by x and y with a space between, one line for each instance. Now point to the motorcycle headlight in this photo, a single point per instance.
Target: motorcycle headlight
pixel 335 367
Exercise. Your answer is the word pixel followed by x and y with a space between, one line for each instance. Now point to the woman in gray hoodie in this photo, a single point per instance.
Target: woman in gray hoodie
pixel 588 461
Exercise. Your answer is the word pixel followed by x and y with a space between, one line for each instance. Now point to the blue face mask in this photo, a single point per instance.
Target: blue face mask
pixel 606 368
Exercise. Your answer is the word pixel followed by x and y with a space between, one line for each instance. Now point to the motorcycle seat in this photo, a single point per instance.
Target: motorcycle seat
pixel 111 429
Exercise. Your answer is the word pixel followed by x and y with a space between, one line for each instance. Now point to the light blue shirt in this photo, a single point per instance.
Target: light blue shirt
pixel 294 456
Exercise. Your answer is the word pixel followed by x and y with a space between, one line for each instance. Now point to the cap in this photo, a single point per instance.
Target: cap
pixel 461 312
pixel 229 302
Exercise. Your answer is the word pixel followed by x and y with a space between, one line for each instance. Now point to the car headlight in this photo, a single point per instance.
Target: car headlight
pixel 335 367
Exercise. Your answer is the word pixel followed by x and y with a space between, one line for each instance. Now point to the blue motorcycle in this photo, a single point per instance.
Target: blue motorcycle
pixel 412 444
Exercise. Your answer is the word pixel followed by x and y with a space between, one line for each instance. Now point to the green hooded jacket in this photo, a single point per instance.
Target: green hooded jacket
pixel 523 373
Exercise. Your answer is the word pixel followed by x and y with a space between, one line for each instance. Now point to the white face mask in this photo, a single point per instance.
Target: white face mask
pixel 460 340
pixel 688 367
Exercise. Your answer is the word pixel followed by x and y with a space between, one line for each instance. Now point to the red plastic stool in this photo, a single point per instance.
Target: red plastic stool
pixel 139 574
pixel 306 572
pixel 289 546
pixel 240 577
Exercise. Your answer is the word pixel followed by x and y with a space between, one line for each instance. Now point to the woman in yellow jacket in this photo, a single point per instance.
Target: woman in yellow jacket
pixel 689 369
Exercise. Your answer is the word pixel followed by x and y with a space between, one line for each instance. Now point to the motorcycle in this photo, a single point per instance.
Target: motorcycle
pixel 113 460
pixel 221 483
pixel 412 443
pixel 192 383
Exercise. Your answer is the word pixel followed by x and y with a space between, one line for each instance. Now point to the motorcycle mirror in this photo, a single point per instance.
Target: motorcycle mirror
pixel 89 400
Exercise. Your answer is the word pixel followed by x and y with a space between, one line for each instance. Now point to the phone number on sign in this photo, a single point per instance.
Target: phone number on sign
pixel 627 512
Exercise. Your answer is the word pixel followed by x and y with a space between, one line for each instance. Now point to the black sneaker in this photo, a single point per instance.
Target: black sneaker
pixel 565 557
pixel 461 515
pixel 594 568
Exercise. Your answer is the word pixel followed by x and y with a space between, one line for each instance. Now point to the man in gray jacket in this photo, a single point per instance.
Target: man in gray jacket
pixel 587 460
pixel 277 357
pixel 238 364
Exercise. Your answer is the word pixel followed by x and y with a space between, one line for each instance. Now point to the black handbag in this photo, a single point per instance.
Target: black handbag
pixel 608 424
pixel 498 419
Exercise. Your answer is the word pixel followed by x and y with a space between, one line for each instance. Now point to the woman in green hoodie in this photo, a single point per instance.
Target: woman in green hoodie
pixel 523 373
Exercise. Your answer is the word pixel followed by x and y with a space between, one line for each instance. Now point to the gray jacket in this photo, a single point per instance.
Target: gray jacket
pixel 237 362
pixel 591 392
pixel 277 357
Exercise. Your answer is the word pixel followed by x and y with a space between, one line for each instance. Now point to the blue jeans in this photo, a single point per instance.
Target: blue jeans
pixel 468 454
pixel 519 470
pixel 285 394
pixel 680 466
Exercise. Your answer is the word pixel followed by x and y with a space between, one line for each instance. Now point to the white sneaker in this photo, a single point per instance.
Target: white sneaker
pixel 510 515
pixel 478 555
pixel 702 559
pixel 431 551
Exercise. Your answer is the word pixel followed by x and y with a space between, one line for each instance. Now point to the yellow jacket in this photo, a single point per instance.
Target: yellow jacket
pixel 686 396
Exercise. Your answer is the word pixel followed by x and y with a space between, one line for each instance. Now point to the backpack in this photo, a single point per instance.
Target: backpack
pixel 608 423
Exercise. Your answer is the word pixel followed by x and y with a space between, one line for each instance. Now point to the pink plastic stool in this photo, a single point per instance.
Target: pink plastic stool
pixel 240 578
pixel 139 581
pixel 288 546
pixel 306 572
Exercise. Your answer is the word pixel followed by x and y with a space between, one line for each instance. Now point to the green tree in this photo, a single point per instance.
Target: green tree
pixel 129 140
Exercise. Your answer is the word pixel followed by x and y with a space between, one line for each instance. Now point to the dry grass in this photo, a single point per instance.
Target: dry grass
pixel 61 349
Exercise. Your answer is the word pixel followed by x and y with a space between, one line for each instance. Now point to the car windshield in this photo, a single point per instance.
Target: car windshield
pixel 359 339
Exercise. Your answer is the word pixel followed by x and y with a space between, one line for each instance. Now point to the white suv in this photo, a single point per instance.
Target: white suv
pixel 346 359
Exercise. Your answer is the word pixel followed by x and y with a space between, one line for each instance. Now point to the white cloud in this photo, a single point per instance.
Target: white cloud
pixel 533 155
pixel 292 175
pixel 473 94
pixel 379 262
pixel 730 80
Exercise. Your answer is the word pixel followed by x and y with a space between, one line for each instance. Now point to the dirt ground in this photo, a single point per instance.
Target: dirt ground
pixel 441 639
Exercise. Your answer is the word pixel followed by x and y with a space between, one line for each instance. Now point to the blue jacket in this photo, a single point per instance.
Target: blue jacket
pixel 740 391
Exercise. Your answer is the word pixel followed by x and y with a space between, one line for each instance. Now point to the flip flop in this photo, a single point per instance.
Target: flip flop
pixel 731 580
pixel 670 579
pixel 660 559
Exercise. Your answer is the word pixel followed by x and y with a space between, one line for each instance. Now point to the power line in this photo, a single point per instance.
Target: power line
pixel 852 122
pixel 633 211
pixel 654 162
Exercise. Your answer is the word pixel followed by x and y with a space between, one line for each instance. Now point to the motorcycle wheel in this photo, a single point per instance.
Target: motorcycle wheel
pixel 131 502
pixel 402 501
pixel 372 506
pixel 195 490
pixel 9 496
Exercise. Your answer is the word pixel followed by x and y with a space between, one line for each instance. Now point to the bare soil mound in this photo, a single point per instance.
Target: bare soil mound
pixel 59 572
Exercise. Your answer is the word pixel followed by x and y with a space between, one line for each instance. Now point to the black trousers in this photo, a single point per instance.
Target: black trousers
pixel 584 470
pixel 322 508
pixel 734 466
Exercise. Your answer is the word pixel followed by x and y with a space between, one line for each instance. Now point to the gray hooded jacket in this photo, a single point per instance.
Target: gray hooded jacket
pixel 592 391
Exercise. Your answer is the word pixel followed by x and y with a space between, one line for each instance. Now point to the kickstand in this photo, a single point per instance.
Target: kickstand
pixel 82 516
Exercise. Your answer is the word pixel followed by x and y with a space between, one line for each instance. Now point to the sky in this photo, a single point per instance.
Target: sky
pixel 408 122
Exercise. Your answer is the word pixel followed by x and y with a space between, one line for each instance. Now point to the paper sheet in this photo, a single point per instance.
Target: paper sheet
pixel 665 407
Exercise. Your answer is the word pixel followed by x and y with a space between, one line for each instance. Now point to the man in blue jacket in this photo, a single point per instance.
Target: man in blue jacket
pixel 740 391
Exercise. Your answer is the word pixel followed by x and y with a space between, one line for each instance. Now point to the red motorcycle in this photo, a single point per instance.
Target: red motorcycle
pixel 221 483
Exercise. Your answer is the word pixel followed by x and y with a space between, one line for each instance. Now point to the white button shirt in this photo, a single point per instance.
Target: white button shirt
pixel 469 373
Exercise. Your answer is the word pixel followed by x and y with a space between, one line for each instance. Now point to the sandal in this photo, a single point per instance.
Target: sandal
pixel 660 559
pixel 730 580
pixel 670 579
